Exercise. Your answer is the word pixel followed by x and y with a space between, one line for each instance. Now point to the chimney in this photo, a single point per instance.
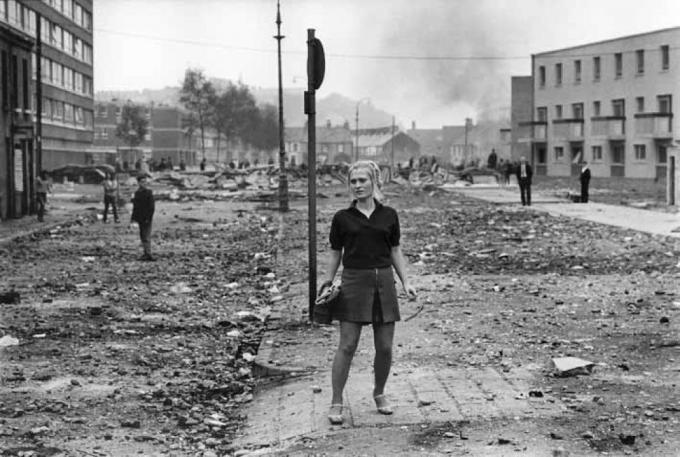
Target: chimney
pixel 413 125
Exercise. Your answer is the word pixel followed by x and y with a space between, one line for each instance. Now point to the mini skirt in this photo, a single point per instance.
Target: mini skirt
pixel 367 296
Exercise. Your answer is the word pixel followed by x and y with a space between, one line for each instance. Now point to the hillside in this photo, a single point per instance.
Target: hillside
pixel 335 108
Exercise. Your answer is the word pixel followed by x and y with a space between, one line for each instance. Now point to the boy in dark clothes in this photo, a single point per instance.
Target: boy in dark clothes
pixel 142 213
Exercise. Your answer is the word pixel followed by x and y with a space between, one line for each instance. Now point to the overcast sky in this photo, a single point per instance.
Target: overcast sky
pixel 430 61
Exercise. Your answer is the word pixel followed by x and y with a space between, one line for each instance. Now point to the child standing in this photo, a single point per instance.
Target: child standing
pixel 142 213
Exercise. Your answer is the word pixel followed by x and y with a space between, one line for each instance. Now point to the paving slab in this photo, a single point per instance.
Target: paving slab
pixel 427 395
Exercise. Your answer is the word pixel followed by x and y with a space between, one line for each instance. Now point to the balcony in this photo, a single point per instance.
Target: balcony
pixel 533 132
pixel 654 125
pixel 609 127
pixel 568 129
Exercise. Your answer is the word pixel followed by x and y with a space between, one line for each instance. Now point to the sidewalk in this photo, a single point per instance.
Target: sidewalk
pixel 654 222
pixel 59 211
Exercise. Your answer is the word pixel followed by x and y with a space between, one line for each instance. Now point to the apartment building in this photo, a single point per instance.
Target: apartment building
pixel 50 40
pixel 18 155
pixel 610 103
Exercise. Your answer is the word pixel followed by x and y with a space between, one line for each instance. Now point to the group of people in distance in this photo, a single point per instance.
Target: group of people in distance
pixel 524 173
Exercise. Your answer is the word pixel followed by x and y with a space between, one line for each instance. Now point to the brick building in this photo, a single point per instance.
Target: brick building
pixel 610 103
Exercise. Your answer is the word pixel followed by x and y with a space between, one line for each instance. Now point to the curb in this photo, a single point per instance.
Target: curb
pixel 263 365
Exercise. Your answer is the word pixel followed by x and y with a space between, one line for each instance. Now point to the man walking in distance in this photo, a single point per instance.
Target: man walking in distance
pixel 142 213
pixel 42 187
pixel 524 174
pixel 585 181
pixel 110 184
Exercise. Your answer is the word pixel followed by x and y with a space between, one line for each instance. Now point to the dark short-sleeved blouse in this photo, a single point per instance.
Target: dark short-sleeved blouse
pixel 366 242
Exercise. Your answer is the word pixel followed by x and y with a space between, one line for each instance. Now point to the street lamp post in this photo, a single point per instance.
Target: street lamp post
pixel 356 130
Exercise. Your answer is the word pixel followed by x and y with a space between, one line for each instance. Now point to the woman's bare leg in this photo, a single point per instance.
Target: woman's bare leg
pixel 349 339
pixel 383 335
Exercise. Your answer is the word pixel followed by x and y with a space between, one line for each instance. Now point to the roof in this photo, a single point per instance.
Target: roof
pixel 431 141
pixel 653 32
pixel 323 135
pixel 380 137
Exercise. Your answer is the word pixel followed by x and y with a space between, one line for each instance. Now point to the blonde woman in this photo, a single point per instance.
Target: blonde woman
pixel 365 238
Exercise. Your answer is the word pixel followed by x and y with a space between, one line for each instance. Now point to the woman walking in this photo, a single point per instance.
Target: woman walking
pixel 365 237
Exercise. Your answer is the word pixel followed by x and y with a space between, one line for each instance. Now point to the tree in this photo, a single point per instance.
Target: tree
pixel 262 130
pixel 231 111
pixel 133 125
pixel 198 96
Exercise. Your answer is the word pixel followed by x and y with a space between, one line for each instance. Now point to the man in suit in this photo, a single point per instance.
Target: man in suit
pixel 584 177
pixel 524 174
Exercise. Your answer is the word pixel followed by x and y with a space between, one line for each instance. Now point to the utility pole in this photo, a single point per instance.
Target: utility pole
pixel 283 177
pixel 392 142
pixel 356 135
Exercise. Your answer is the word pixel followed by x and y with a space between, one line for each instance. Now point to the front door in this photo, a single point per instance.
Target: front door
pixel 617 158
pixel 576 158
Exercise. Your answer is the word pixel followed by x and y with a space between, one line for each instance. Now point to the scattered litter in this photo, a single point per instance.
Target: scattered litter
pixel 8 340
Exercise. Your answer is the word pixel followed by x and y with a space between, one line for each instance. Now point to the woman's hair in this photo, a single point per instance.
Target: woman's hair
pixel 373 173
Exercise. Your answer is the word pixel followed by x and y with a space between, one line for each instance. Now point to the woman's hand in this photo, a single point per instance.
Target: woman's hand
pixel 410 291
pixel 324 285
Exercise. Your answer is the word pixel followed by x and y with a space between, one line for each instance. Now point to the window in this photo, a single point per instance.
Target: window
pixel 3 10
pixel 618 64
pixel 541 76
pixel 58 111
pixel 87 20
pixel 640 104
pixel 619 108
pixel 640 152
pixel 68 78
pixel 577 110
pixel 662 154
pixel 596 108
pixel 559 152
pixel 77 47
pixel 47 108
pixel 665 57
pixel 341 147
pixel 56 73
pixel 577 71
pixel 56 36
pixel 34 66
pixel 664 102
pixel 46 70
pixel 78 14
pixel 67 8
pixel 78 82
pixel 68 113
pixel 88 118
pixel 12 11
pixel 558 111
pixel 68 42
pixel 45 30
pixel 101 111
pixel 87 85
pixel 640 61
pixel 558 74
pixel 597 152
pixel 25 84
pixel 78 112
pixel 30 22
pixel 542 114
pixel 118 112
pixel 87 53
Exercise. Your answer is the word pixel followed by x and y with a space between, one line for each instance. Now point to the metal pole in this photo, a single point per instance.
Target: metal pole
pixel 356 134
pixel 311 173
pixel 392 142
pixel 283 177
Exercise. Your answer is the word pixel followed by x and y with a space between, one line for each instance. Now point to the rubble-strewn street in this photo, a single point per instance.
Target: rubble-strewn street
pixel 105 355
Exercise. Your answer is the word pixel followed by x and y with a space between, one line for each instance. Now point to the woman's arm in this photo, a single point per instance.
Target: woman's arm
pixel 399 263
pixel 334 258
